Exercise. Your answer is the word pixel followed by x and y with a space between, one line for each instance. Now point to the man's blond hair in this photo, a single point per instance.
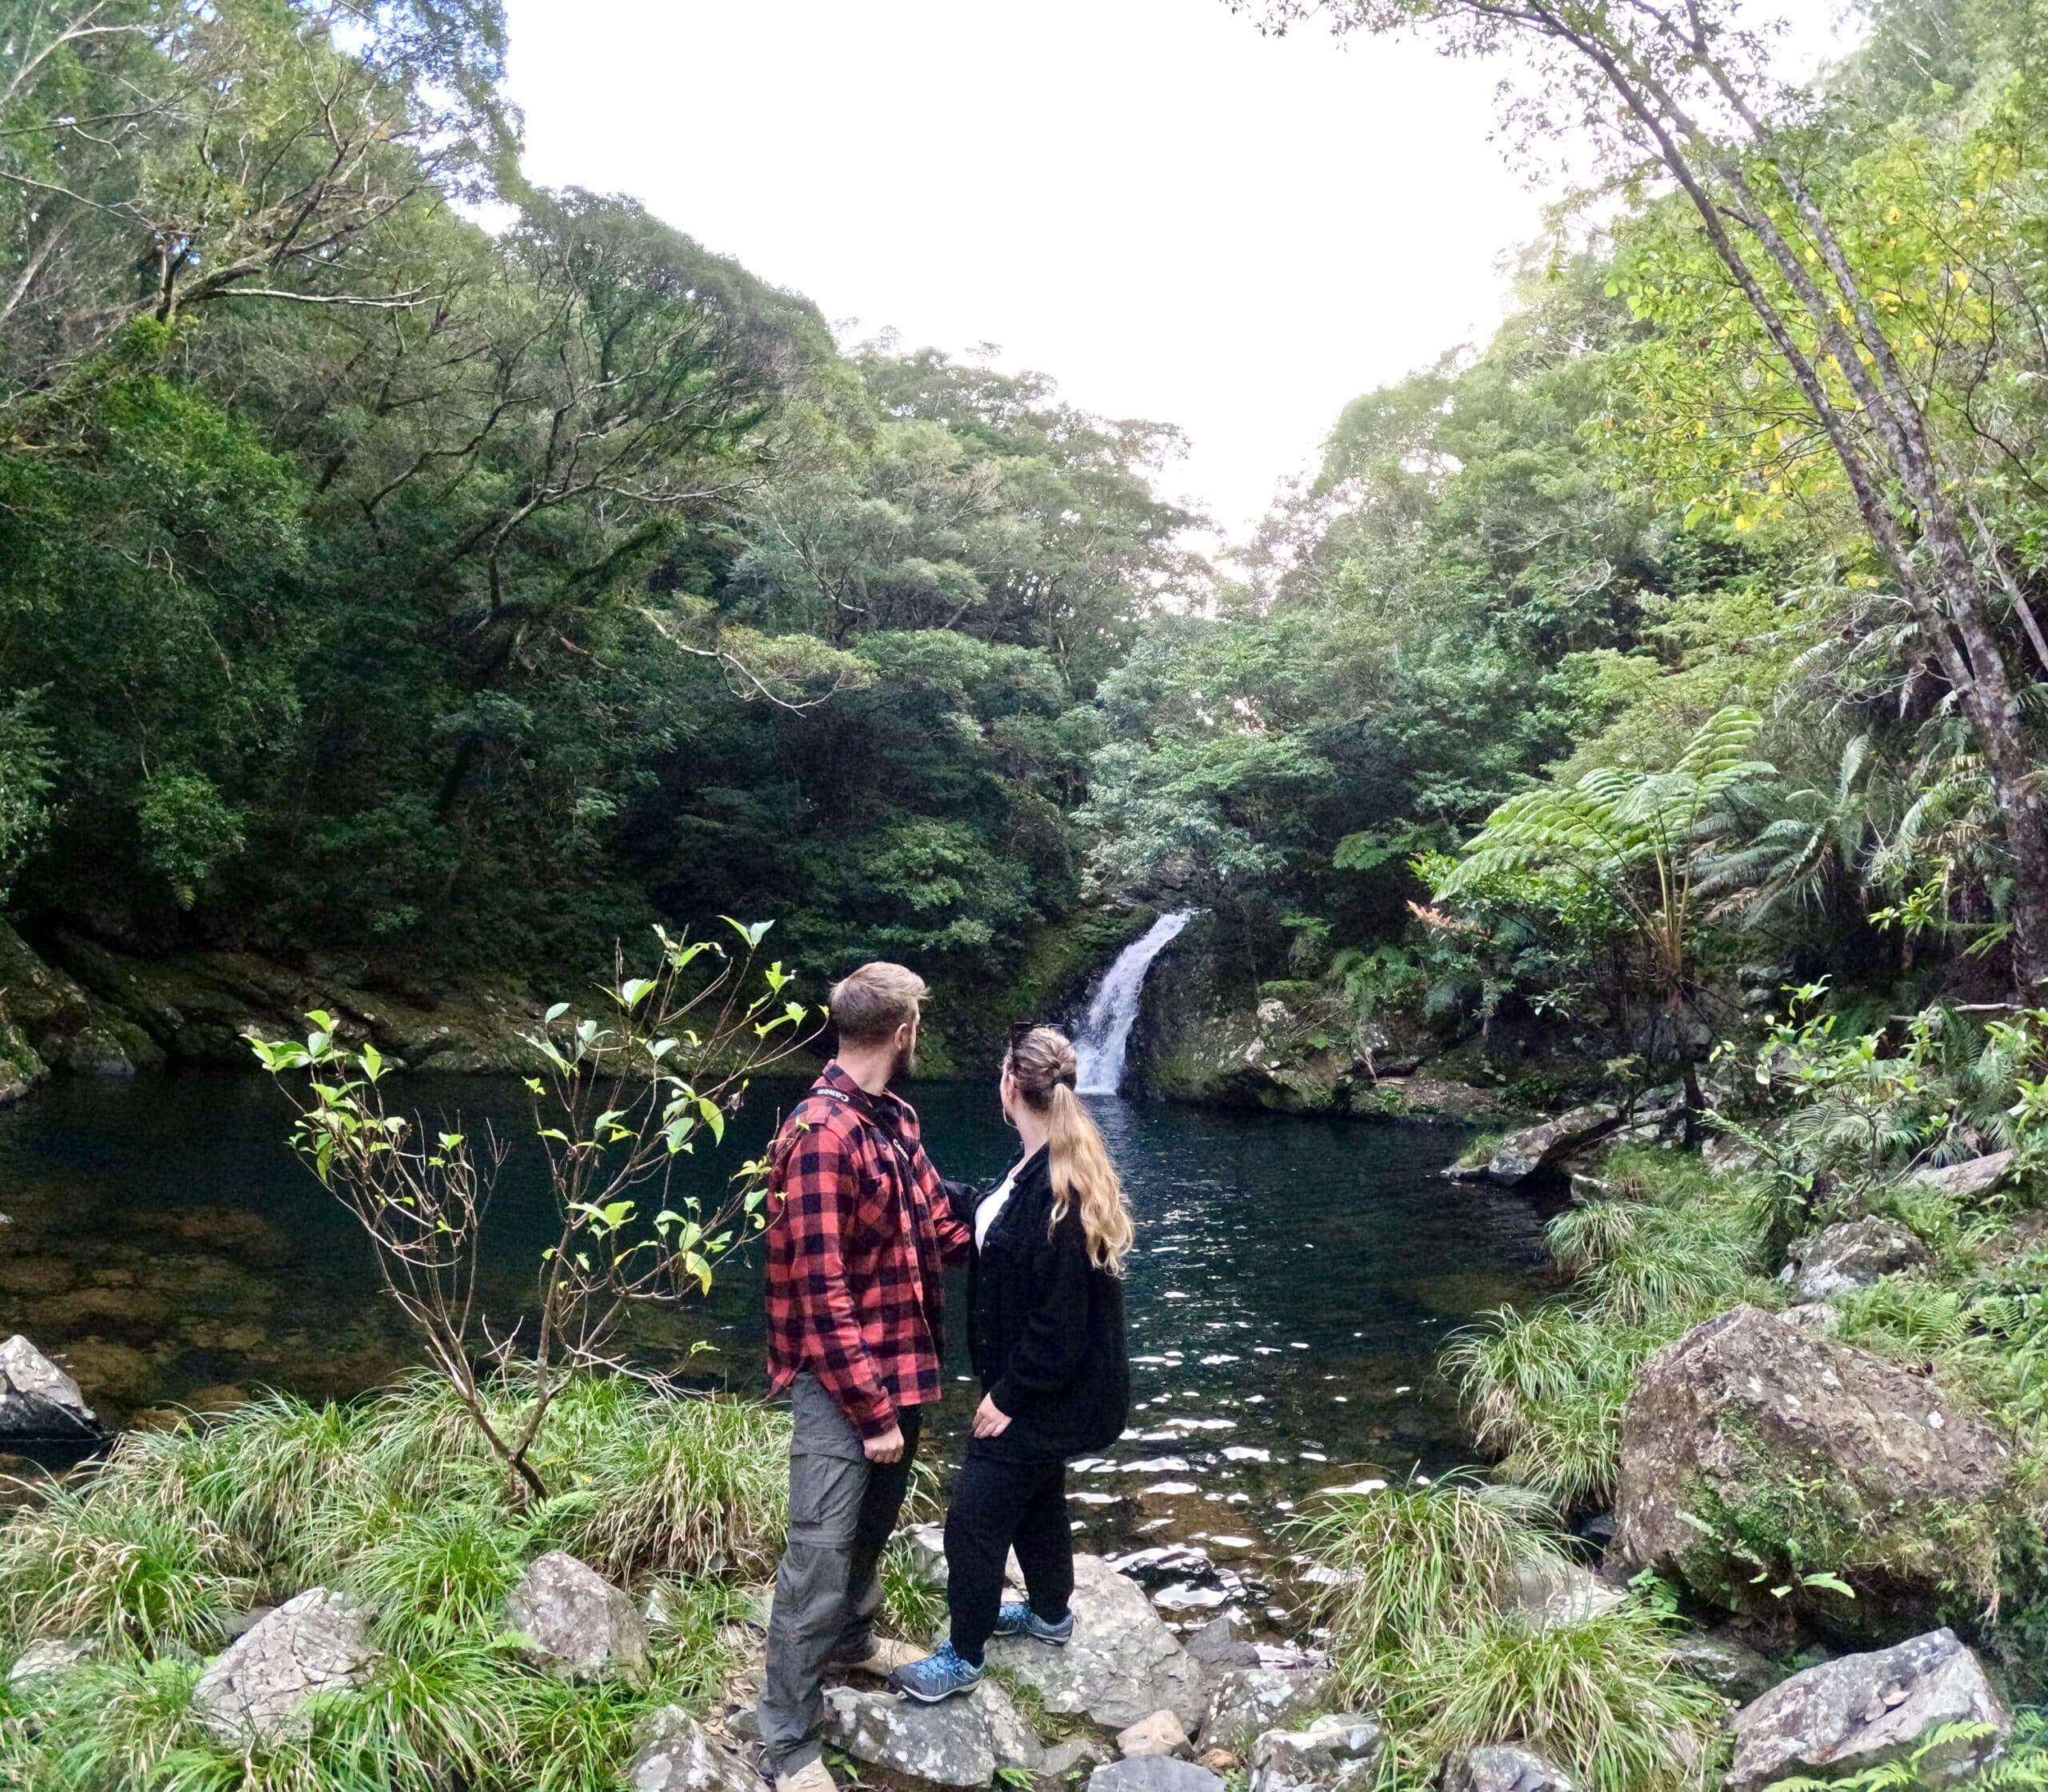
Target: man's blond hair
pixel 868 1005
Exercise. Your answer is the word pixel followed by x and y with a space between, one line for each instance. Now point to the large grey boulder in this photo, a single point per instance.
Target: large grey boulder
pixel 1745 1406
pixel 1853 1254
pixel 38 1400
pixel 1502 1770
pixel 577 1624
pixel 1727 1664
pixel 1974 1176
pixel 1153 1772
pixel 966 1741
pixel 675 1753
pixel 1847 1716
pixel 1337 1754
pixel 1523 1155
pixel 260 1686
pixel 1246 1701
pixel 1122 1664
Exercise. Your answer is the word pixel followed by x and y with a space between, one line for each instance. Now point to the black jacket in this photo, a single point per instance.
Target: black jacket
pixel 1045 1328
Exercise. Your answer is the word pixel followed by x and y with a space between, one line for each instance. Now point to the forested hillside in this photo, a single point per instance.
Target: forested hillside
pixel 372 580
pixel 400 561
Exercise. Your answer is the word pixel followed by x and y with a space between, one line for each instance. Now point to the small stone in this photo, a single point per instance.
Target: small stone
pixel 1217 1645
pixel 1243 1702
pixel 38 1400
pixel 1974 1176
pixel 1859 1712
pixel 1502 1770
pixel 1853 1254
pixel 1340 1752
pixel 1160 1734
pixel 1153 1772
pixel 1816 1316
pixel 577 1624
pixel 676 1754
pixel 1219 1761
pixel 51 1655
pixel 259 1686
pixel 1727 1664
pixel 1549 1594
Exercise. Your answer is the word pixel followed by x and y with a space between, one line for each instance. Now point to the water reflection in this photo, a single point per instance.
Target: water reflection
pixel 1294 1281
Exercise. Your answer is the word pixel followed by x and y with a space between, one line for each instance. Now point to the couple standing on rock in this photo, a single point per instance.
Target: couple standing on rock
pixel 862 1228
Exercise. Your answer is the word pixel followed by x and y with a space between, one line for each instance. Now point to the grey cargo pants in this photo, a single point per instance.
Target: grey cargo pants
pixel 843 1508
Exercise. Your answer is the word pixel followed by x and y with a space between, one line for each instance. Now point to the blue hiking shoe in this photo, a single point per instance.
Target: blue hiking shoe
pixel 939 1675
pixel 1017 1619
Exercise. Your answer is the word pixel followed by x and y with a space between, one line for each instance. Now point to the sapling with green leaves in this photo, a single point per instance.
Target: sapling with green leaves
pixel 625 1094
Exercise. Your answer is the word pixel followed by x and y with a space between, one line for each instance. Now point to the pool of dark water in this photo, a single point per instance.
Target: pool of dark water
pixel 1294 1281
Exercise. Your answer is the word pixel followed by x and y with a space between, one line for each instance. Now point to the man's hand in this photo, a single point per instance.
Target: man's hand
pixel 888 1446
pixel 990 1420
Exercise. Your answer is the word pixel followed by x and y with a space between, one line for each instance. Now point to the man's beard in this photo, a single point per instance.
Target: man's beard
pixel 906 1063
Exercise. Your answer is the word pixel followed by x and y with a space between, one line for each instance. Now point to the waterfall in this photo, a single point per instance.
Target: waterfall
pixel 1114 1007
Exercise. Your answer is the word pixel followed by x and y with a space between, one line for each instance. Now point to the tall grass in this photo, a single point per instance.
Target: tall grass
pixel 1420 1629
pixel 392 1499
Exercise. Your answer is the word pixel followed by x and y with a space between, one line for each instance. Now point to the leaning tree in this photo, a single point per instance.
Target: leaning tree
pixel 1684 87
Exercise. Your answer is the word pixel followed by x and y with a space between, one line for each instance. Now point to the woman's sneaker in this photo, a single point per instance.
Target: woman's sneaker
pixel 1017 1619
pixel 939 1675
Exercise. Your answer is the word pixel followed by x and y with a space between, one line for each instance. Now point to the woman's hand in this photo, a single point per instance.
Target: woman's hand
pixel 990 1420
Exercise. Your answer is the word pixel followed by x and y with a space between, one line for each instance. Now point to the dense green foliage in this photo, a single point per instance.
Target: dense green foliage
pixel 372 581
pixel 392 1500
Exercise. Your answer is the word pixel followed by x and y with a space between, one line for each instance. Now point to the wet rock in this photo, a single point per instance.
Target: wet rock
pixel 1727 1664
pixel 22 1066
pixel 1853 1254
pixel 38 1400
pixel 1160 1734
pixel 1217 1646
pixel 57 1024
pixel 577 1624
pixel 1548 1594
pixel 259 1687
pixel 966 1741
pixel 1958 1182
pixel 51 1655
pixel 675 1753
pixel 1502 1770
pixel 1123 1663
pixel 1243 1702
pixel 1743 1406
pixel 1153 1772
pixel 1848 1716
pixel 1523 1155
pixel 1339 1753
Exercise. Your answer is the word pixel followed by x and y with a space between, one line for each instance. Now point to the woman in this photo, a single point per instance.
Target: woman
pixel 1046 1296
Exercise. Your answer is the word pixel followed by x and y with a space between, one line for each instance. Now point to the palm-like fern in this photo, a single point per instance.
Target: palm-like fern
pixel 1639 833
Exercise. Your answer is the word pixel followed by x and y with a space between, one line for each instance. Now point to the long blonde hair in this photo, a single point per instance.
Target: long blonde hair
pixel 1042 1064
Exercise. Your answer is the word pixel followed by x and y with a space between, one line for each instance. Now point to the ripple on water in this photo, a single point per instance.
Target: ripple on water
pixel 1293 1285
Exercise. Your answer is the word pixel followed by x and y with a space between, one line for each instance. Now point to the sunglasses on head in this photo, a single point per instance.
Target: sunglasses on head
pixel 1022 1030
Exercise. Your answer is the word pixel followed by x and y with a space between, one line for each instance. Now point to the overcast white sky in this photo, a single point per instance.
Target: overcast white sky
pixel 1176 218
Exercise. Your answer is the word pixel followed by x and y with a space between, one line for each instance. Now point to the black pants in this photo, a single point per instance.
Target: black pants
pixel 995 1505
pixel 843 1508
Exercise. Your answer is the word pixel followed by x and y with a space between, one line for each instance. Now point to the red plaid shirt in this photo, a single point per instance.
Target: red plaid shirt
pixel 859 1233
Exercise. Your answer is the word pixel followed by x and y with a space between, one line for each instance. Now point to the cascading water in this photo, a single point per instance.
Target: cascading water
pixel 1113 1008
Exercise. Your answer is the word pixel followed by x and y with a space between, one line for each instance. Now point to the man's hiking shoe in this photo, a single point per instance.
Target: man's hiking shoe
pixel 1017 1619
pixel 814 1777
pixel 939 1675
pixel 884 1655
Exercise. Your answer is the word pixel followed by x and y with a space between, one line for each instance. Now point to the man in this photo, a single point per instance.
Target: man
pixel 860 1233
